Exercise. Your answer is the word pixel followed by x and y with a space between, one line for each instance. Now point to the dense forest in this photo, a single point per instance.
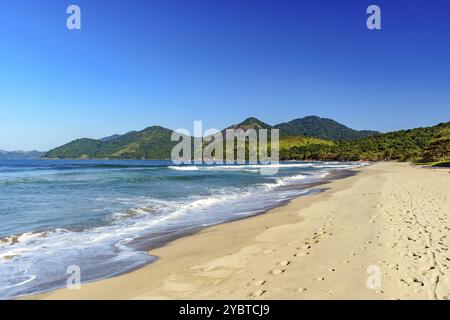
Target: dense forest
pixel 429 144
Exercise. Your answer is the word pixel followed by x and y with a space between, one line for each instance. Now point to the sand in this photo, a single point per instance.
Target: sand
pixel 388 226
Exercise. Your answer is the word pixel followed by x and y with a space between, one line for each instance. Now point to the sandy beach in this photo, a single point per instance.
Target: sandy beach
pixel 389 217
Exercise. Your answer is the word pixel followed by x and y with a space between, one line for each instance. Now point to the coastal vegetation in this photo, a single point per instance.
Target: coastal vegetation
pixel 428 144
pixel 421 144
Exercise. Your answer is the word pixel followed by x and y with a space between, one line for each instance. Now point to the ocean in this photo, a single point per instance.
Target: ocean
pixel 103 215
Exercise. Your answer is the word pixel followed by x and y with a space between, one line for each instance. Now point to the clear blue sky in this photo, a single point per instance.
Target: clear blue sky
pixel 170 62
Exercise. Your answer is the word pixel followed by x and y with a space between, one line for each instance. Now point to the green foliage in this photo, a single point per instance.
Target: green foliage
pixel 291 142
pixel 251 123
pixel 404 145
pixel 151 143
pixel 75 149
pixel 439 148
pixel 322 128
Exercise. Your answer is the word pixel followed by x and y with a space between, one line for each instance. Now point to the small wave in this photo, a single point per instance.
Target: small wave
pixel 184 168
pixel 295 177
pixel 264 166
pixel 30 278
pixel 239 167
pixel 21 237
pixel 279 182
pixel 131 213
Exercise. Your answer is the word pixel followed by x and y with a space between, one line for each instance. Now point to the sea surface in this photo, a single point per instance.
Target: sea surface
pixel 102 216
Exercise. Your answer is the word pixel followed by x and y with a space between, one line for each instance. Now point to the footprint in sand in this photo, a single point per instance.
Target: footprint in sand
pixel 301 254
pixel 257 293
pixel 259 282
pixel 320 279
pixel 277 271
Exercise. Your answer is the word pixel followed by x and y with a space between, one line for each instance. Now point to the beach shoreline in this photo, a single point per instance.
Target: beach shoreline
pixel 310 188
pixel 314 247
pixel 136 214
pixel 151 242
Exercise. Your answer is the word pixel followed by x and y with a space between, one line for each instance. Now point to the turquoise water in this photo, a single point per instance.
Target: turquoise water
pixel 102 215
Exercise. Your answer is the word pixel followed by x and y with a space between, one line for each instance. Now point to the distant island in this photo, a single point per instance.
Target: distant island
pixel 20 155
pixel 308 138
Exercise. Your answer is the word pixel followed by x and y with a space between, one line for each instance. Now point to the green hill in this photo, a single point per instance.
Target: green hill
pixel 316 127
pixel 311 126
pixel 150 143
pixel 251 123
pixel 420 144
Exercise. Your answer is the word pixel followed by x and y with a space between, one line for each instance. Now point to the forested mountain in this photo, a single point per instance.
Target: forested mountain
pixel 150 143
pixel 154 142
pixel 316 127
pixel 251 123
pixel 298 141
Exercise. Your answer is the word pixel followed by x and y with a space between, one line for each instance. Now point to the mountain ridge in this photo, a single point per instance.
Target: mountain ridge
pixel 154 142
